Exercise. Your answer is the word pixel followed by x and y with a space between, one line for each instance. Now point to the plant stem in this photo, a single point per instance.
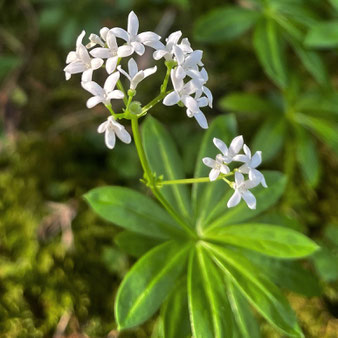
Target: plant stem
pixel 119 85
pixel 150 178
pixel 153 102
pixel 194 180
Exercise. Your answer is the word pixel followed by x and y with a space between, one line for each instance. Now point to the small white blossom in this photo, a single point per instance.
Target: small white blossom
pixel 250 165
pixel 188 65
pixel 217 166
pixel 229 153
pixel 241 188
pixel 193 110
pixel 133 39
pixel 112 128
pixel 98 40
pixel 134 75
pixel 166 51
pixel 81 62
pixel 112 53
pixel 105 94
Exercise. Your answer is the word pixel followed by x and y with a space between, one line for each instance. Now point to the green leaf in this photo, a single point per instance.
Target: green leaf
pixel 270 137
pixel 221 215
pixel 164 160
pixel 324 130
pixel 259 290
pixel 149 281
pixel 204 196
pixel 175 313
pixel 323 35
pixel 326 262
pixel 210 313
pixel 334 3
pixel 135 244
pixel 307 156
pixel 224 23
pixel 270 51
pixel 312 62
pixel 270 240
pixel 244 318
pixel 290 275
pixel 131 210
pixel 246 103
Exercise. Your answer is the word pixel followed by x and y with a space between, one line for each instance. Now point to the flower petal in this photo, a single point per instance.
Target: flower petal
pixel 137 79
pixel 93 101
pixel 119 68
pixel 234 199
pixel 239 178
pixel 256 160
pixel 80 38
pixel 209 162
pixel 120 33
pixel 132 68
pixel 111 41
pixel 224 169
pixel 103 32
pixel 158 54
pixel 75 67
pixel 110 138
pixel 102 127
pixel 123 135
pixel 96 63
pixel 111 64
pixel 148 37
pixel 116 94
pixel 247 151
pixel 221 146
pixel 125 51
pixel 133 23
pixel 178 54
pixel 110 83
pixel 93 88
pixel 83 54
pixel 150 71
pixel 236 145
pixel 201 120
pixel 71 57
pixel 87 75
pixel 138 47
pixel 250 199
pixel 171 99
pixel 193 59
pixel 100 52
pixel 214 173
pixel 174 37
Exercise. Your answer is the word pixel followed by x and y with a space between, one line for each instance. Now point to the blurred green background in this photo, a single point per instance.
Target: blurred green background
pixel 273 63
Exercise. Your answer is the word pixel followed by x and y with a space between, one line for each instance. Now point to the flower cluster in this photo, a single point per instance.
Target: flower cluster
pixel 220 166
pixel 103 50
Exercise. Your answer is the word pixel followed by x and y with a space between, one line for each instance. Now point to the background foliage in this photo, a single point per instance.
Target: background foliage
pixel 270 62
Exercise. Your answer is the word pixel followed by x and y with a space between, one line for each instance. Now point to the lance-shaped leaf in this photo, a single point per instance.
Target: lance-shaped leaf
pixel 149 281
pixel 266 197
pixel 224 23
pixel 210 312
pixel 247 103
pixel 135 244
pixel 245 321
pixel 290 275
pixel 131 210
pixel 307 156
pixel 164 160
pixel 327 131
pixel 204 196
pixel 259 290
pixel 175 313
pixel 270 137
pixel 270 51
pixel 323 35
pixel 270 240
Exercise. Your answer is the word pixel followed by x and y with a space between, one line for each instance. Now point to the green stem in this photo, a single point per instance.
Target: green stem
pixel 166 79
pixel 120 87
pixel 150 178
pixel 153 102
pixel 194 180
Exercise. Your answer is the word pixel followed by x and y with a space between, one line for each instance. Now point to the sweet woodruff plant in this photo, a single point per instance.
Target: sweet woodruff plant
pixel 195 248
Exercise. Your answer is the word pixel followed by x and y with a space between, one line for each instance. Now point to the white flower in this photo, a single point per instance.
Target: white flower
pixel 217 166
pixel 134 75
pixel 241 188
pixel 134 40
pixel 105 94
pixel 250 165
pixel 112 53
pixel 80 62
pixel 188 65
pixel 166 51
pixel 203 77
pixel 193 110
pixel 111 128
pixel 229 153
pixel 98 40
